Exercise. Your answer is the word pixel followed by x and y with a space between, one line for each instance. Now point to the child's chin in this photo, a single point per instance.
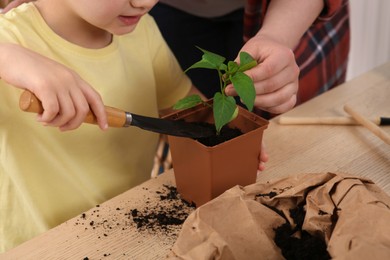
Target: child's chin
pixel 124 30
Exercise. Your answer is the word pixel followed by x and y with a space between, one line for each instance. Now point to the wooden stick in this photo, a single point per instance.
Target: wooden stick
pixel 327 120
pixel 368 124
pixel 284 120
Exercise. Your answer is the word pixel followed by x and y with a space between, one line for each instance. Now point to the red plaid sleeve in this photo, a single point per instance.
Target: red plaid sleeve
pixel 322 54
pixel 330 8
pixel 253 17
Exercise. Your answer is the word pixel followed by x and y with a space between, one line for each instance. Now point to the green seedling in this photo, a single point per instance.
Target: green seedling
pixel 224 107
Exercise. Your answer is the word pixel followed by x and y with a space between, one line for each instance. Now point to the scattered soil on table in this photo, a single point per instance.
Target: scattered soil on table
pixel 161 218
pixel 161 214
pixel 225 134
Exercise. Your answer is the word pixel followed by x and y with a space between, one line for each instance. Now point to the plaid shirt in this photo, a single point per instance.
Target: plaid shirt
pixel 322 53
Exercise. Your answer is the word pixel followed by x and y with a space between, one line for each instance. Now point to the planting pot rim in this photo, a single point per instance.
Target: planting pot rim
pixel 261 123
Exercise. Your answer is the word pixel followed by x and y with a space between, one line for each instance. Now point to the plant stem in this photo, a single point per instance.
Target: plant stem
pixel 221 81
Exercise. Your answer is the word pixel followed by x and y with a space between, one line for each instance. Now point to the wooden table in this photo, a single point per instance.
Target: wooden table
pixel 107 231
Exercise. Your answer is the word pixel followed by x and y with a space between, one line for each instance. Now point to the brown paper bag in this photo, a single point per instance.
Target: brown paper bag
pixel 351 215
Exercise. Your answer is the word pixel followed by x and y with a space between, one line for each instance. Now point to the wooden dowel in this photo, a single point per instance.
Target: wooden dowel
pixel 327 120
pixel 284 120
pixel 368 124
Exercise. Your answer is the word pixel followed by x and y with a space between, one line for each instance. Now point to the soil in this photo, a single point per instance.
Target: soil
pixel 161 214
pixel 225 134
pixel 162 218
pixel 296 243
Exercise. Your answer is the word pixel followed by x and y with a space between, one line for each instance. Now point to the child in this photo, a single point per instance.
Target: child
pixel 48 176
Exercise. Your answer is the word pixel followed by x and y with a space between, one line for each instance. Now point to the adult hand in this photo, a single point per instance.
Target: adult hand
pixel 263 157
pixel 12 4
pixel 275 77
pixel 66 98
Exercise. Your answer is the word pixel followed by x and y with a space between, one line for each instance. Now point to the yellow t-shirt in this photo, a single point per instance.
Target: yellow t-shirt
pixel 48 176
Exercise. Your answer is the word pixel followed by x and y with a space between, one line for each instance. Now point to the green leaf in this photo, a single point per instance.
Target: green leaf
pixel 246 61
pixel 188 102
pixel 223 109
pixel 209 61
pixel 245 88
pixel 222 67
pixel 232 67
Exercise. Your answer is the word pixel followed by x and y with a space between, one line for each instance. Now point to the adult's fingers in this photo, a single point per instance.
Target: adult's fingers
pixel 263 157
pixel 272 63
pixel 281 108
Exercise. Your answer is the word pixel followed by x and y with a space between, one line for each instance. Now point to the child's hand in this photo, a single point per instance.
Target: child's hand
pixel 65 97
pixel 13 4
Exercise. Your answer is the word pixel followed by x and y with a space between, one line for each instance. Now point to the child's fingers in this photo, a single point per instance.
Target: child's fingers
pixel 96 106
pixel 64 109
pixel 77 114
pixel 51 107
pixel 13 4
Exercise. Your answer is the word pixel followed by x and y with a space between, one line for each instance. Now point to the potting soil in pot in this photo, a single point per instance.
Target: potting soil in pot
pixel 306 216
pixel 226 134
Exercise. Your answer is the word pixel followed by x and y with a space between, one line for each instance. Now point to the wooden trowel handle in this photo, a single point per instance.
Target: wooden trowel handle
pixel 30 103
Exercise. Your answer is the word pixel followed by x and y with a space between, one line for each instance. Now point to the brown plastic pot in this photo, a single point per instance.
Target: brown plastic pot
pixel 202 172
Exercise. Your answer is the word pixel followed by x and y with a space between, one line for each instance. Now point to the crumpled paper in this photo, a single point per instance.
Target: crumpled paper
pixel 351 213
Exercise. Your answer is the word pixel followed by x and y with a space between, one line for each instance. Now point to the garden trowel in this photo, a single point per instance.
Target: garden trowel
pixel 118 118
